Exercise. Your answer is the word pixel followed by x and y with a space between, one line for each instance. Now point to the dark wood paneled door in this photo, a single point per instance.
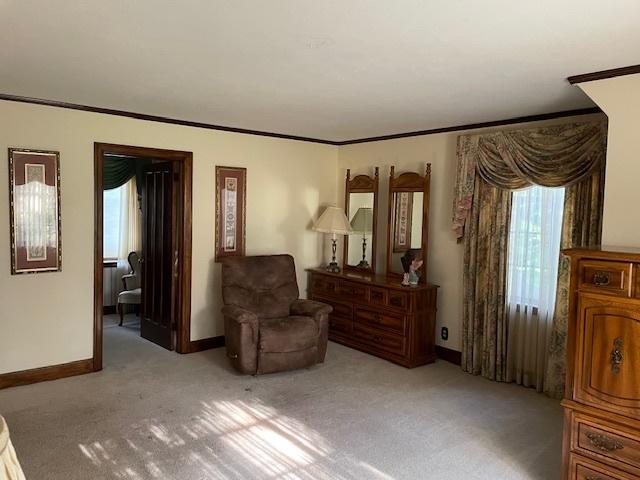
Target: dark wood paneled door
pixel 159 253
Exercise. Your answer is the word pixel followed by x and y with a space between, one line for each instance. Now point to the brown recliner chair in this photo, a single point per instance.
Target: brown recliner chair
pixel 267 328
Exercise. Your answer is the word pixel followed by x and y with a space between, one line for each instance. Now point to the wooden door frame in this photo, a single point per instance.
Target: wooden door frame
pixel 183 327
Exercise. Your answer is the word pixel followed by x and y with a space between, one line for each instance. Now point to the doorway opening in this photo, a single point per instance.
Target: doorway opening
pixel 151 191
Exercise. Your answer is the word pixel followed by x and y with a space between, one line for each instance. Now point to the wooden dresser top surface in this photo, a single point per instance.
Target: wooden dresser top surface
pixel 369 279
pixel 627 254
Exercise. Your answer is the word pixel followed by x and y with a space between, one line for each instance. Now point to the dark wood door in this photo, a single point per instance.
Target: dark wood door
pixel 159 254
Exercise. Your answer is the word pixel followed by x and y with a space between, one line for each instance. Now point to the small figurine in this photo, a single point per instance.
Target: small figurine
pixel 411 265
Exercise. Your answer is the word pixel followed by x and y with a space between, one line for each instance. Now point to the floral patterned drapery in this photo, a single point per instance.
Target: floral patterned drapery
pixel 485 264
pixel 581 227
pixel 490 166
pixel 551 156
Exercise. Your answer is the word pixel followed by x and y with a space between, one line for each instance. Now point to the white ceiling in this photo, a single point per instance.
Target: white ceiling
pixel 329 69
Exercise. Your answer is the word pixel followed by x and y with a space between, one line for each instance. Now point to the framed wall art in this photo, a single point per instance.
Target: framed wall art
pixel 404 207
pixel 231 200
pixel 34 203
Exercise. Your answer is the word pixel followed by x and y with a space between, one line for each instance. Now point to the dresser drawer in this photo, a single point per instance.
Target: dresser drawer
pixel 340 309
pixel 353 291
pixel 581 468
pixel 340 325
pixel 379 339
pixel 595 437
pixel 603 276
pixel 324 285
pixel 388 321
pixel 398 299
pixel 378 296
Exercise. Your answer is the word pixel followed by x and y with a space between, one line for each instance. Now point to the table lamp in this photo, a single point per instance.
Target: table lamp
pixel 333 221
pixel 362 222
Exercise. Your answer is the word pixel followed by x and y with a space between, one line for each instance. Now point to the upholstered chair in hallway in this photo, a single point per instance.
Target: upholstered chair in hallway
pixel 132 292
pixel 267 327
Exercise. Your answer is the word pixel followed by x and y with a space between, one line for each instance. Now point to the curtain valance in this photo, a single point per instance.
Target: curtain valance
pixel 118 170
pixel 551 156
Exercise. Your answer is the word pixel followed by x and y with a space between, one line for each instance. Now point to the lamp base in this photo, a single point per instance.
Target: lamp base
pixel 363 264
pixel 333 268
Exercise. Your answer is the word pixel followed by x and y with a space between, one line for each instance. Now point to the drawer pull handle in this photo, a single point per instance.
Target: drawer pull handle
pixel 604 443
pixel 591 477
pixel 601 279
pixel 377 317
pixel 616 355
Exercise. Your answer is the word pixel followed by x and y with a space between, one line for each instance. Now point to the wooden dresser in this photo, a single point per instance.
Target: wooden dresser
pixel 379 316
pixel 602 396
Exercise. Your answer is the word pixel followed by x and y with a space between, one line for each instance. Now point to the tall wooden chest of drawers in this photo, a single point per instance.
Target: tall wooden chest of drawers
pixel 602 395
pixel 379 316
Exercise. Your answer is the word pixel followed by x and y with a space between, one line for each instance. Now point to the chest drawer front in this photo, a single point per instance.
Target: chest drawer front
pixel 379 339
pixel 584 469
pixel 388 321
pixel 353 291
pixel 603 276
pixel 608 356
pixel 596 437
pixel 324 285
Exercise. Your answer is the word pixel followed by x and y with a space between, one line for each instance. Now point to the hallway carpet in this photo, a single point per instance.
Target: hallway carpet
pixel 155 414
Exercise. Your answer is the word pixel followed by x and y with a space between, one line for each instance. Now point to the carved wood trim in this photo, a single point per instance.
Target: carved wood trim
pixel 362 184
pixel 409 182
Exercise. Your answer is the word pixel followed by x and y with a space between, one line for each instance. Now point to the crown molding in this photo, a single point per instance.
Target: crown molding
pixel 188 123
pixel 614 72
pixel 157 118
pixel 475 126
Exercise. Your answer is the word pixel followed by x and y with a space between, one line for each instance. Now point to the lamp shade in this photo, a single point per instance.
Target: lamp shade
pixel 362 221
pixel 333 220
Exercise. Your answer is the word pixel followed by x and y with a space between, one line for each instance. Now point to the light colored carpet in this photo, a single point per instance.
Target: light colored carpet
pixel 154 414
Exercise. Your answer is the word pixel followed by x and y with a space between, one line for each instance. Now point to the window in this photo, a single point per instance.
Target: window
pixel 534 248
pixel 111 211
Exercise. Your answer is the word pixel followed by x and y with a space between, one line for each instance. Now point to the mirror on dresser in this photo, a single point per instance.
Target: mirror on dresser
pixel 408 220
pixel 361 208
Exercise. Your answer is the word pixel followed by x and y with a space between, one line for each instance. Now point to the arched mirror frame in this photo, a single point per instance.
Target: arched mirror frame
pixel 361 184
pixel 409 182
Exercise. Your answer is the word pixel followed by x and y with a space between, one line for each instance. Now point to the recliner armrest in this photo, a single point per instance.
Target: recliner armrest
pixel 310 308
pixel 239 314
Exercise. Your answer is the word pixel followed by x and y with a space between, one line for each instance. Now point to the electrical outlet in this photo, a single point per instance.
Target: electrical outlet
pixel 444 333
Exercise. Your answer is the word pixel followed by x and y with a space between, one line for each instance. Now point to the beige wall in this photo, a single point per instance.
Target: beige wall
pixel 445 255
pixel 619 98
pixel 46 319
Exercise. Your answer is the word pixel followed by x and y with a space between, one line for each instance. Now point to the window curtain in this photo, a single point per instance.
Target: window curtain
pixel 561 155
pixel 484 334
pixel 581 227
pixel 130 226
pixel 117 171
pixel 553 156
pixel 534 249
